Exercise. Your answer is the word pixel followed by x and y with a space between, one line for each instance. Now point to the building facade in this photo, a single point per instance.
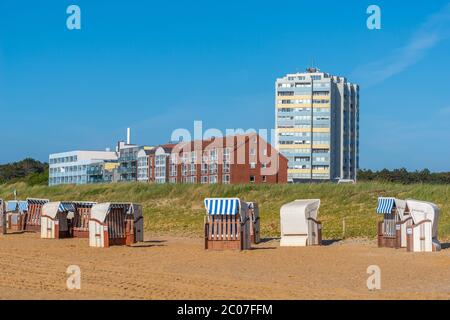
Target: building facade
pixel 228 160
pixel 127 169
pixel 317 126
pixel 78 167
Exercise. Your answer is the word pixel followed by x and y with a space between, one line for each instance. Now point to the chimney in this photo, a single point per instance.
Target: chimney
pixel 128 136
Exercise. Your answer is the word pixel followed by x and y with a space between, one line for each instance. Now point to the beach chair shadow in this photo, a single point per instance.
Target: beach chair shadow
pixel 329 242
pixel 445 246
pixel 264 240
pixel 153 241
pixel 262 248
pixel 16 232
pixel 140 245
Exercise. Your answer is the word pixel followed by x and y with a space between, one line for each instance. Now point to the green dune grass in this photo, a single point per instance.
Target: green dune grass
pixel 177 209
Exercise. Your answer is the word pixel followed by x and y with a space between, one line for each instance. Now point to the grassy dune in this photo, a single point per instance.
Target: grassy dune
pixel 178 209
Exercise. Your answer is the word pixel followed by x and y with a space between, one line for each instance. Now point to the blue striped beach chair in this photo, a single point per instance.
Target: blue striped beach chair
pixel 227 224
pixel 396 219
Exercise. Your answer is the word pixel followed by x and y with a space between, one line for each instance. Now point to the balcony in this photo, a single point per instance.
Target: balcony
pixel 127 170
pixel 128 158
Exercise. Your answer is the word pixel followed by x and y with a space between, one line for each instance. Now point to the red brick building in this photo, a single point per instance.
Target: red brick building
pixel 233 159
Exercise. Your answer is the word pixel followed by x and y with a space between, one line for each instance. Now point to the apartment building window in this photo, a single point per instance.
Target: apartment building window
pixel 226 168
pixel 302 159
pixel 226 179
pixel 252 178
pixel 212 179
pixel 173 169
pixel 298 166
pixel 226 155
pixel 252 165
pixel 205 157
pixel 252 151
pixel 184 157
pixel 321 93
pixel 321 101
pixel 193 169
pixel 213 168
pixel 318 142
pixel 193 157
pixel 285 93
pixel 264 179
pixel 184 169
pixel 285 85
pixel 173 158
pixel 213 155
pixel 320 167
pixel 204 168
pixel 204 179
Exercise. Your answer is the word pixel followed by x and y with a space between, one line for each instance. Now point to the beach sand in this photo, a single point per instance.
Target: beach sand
pixel 166 267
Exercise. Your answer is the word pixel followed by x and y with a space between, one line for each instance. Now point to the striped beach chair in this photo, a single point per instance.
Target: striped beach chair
pixel 391 230
pixel 56 220
pixel 227 224
pixel 15 214
pixel 33 214
pixel 82 214
pixel 115 224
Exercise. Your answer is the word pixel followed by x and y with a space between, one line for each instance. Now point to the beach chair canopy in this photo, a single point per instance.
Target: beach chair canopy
pixel 20 206
pixel 37 201
pixel 51 209
pixel 422 210
pixel 222 206
pixel 385 205
pixel 295 215
pixel 83 204
pixel 402 207
pixel 101 210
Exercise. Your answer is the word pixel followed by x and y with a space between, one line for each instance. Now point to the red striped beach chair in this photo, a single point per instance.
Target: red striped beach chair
pixel 33 214
pixel 82 214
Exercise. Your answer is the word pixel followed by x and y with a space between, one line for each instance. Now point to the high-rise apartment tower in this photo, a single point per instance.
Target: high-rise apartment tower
pixel 317 126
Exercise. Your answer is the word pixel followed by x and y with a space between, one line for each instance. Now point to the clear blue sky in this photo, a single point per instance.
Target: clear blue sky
pixel 160 65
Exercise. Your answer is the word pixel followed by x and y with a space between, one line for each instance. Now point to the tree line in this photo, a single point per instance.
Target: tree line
pixel 404 176
pixel 30 171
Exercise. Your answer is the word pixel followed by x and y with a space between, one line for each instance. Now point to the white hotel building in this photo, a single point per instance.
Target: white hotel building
pixel 74 167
